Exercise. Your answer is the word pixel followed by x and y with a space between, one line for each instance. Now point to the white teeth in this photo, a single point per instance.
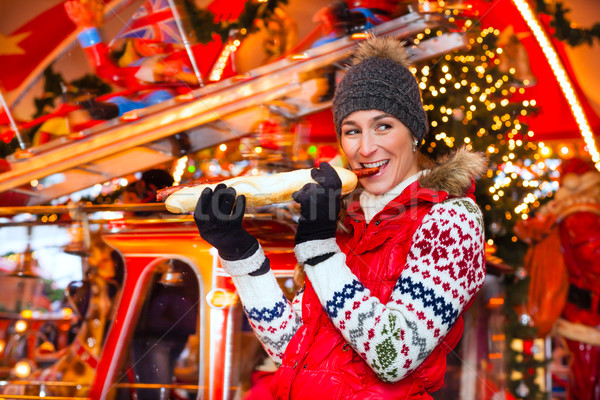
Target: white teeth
pixel 375 164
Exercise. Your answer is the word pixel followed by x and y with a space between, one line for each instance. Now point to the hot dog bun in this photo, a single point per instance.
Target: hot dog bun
pixel 259 190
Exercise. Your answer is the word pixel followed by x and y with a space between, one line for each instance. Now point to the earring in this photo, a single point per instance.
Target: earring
pixel 415 143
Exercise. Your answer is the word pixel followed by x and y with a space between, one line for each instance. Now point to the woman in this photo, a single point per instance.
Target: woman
pixel 382 303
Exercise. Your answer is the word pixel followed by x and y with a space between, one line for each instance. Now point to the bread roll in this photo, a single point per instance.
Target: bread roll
pixel 259 190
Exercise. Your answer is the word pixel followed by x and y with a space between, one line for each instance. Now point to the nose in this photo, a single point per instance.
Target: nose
pixel 367 144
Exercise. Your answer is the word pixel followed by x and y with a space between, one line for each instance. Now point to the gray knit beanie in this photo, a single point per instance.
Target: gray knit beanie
pixel 380 80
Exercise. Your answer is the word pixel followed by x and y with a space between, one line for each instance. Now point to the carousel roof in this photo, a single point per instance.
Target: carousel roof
pixel 549 77
pixel 213 114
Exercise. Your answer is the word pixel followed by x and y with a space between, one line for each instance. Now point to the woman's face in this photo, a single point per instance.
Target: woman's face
pixel 374 138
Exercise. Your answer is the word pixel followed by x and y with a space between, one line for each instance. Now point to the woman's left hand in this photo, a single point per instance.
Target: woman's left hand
pixel 319 205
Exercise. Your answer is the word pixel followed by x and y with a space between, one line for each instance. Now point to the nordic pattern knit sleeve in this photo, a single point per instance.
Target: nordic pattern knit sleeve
pixel 272 317
pixel 444 270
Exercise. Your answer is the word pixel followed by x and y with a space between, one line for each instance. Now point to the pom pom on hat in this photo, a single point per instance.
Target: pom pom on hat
pixel 382 47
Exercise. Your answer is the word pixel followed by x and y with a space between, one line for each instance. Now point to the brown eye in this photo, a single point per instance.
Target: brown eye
pixel 351 132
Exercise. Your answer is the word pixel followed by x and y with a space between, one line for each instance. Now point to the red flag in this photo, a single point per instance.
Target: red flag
pixel 31 45
pixel 27 51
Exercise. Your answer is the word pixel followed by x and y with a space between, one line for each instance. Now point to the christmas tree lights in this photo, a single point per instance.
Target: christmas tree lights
pixel 468 101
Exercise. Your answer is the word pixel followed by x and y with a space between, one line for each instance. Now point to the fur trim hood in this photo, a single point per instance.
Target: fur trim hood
pixel 455 172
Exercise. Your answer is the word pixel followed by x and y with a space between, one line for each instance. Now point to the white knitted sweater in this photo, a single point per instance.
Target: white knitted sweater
pixel 445 269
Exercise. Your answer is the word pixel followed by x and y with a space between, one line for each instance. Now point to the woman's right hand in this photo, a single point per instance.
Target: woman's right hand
pixel 218 216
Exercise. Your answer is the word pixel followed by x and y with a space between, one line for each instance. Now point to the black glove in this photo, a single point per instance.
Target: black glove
pixel 319 205
pixel 220 223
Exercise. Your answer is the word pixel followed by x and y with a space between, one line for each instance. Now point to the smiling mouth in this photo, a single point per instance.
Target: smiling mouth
pixel 375 164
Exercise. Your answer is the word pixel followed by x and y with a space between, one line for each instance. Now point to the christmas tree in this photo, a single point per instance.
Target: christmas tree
pixel 468 101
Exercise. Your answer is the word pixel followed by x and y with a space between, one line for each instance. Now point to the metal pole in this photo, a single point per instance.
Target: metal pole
pixel 186 43
pixel 13 125
pixel 38 210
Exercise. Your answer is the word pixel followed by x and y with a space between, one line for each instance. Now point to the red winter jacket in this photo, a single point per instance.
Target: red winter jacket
pixel 318 363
